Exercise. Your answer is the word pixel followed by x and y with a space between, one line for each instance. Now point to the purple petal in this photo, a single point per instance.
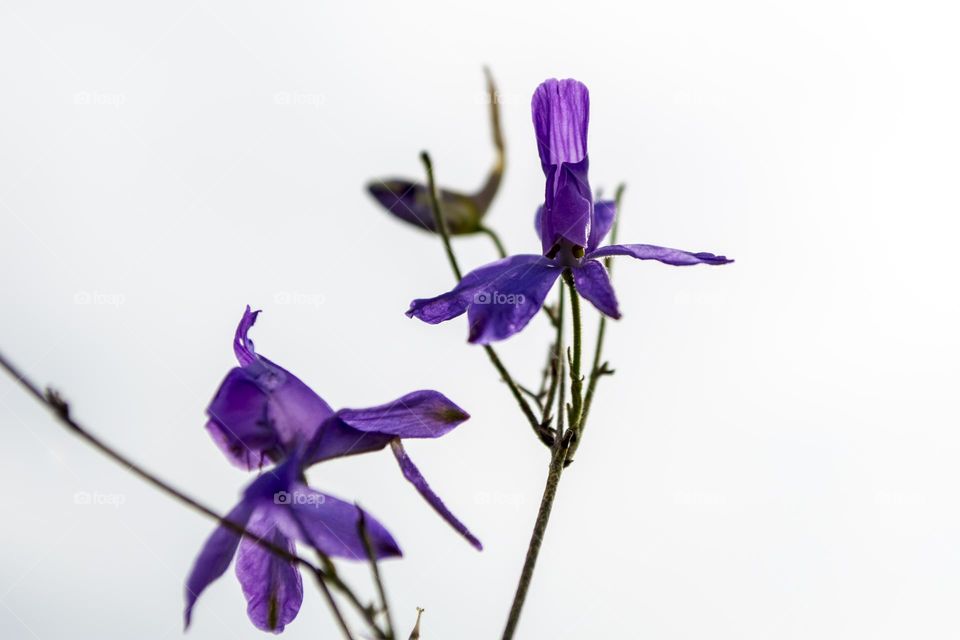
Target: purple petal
pixel 413 475
pixel 507 306
pixel 260 411
pixel 335 439
pixel 593 283
pixel 500 297
pixel 240 421
pixel 419 414
pixel 297 410
pixel 674 257
pixel 215 557
pixel 561 112
pixel 272 586
pixel 568 207
pixel 604 213
pixel 330 524
pixel 242 345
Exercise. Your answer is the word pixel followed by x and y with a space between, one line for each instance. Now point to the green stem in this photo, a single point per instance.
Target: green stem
pixel 539 430
pixel 576 379
pixel 555 365
pixel 496 240
pixel 557 458
pixel 438 218
pixel 441 225
pixel 599 367
pixel 375 571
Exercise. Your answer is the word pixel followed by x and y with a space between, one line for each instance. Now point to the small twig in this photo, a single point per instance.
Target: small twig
pixel 61 409
pixel 415 634
pixel 441 225
pixel 496 240
pixel 558 454
pixel 555 361
pixel 375 570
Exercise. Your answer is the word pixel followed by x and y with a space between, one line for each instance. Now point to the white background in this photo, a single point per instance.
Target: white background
pixel 776 456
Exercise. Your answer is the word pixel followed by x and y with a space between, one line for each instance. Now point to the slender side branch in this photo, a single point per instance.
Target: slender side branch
pixel 438 218
pixel 375 570
pixel 61 410
pixel 556 373
pixel 541 432
pixel 496 240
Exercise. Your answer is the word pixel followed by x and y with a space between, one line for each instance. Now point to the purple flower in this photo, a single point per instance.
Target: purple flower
pixel 500 298
pixel 262 413
pixel 280 509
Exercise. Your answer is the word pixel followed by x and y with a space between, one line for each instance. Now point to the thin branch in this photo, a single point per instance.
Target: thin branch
pixel 555 365
pixel 61 410
pixel 415 633
pixel 543 434
pixel 375 570
pixel 495 238
pixel 558 454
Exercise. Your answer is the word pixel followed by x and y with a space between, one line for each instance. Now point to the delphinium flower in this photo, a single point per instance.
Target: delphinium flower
pixel 500 298
pixel 462 212
pixel 263 414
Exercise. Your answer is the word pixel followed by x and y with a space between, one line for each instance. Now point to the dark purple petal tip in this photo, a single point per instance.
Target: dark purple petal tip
pixel 242 345
pixel 419 414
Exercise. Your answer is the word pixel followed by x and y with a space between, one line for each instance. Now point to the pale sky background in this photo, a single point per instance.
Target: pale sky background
pixel 776 456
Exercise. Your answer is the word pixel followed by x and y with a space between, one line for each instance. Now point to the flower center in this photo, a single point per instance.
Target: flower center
pixel 567 254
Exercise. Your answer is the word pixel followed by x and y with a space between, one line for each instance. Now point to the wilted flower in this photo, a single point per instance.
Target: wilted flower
pixel 463 213
pixel 500 298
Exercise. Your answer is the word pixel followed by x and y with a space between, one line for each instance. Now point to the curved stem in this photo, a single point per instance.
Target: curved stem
pixel 61 411
pixel 496 240
pixel 441 225
pixel 438 218
pixel 375 570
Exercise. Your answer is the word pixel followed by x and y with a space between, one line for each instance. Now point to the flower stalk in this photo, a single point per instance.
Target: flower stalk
pixel 61 410
pixel 541 431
